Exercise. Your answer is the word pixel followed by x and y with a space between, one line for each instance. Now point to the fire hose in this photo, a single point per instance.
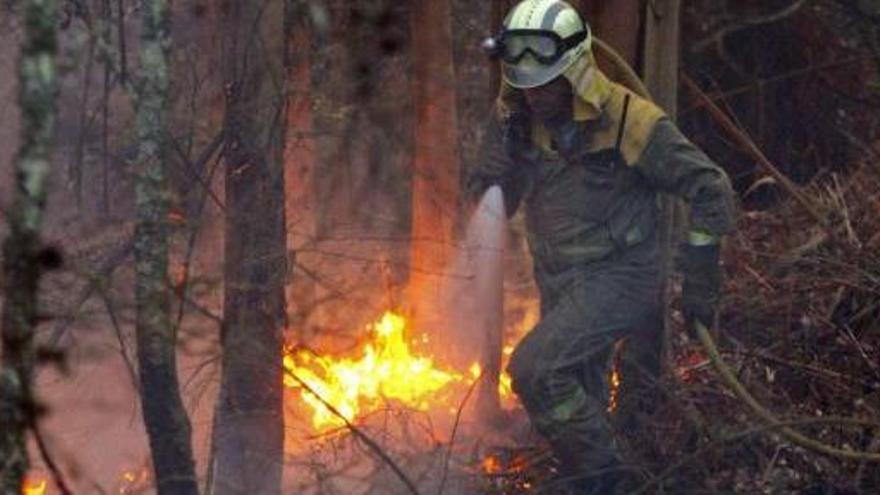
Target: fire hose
pixel 634 82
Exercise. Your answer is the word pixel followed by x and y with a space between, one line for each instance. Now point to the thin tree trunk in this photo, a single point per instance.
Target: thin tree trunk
pixel 618 23
pixel 435 168
pixel 661 52
pixel 661 66
pixel 22 251
pixel 165 418
pixel 248 428
pixel 435 181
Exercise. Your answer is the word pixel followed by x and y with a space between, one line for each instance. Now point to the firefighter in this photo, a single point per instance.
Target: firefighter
pixel 586 157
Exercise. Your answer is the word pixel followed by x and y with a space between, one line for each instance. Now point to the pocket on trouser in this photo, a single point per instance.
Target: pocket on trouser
pixel 579 432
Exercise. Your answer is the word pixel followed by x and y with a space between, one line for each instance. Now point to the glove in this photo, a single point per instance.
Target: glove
pixel 702 284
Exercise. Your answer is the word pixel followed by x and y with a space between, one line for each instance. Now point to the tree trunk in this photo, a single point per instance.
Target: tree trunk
pixel 23 254
pixel 435 181
pixel 617 23
pixel 661 66
pixel 661 53
pixel 165 418
pixel 300 152
pixel 248 428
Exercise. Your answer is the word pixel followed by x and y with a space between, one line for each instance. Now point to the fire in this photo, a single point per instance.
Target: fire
pixel 385 369
pixel 492 465
pixel 32 487
pixel 134 481
pixel 613 389
pixel 614 378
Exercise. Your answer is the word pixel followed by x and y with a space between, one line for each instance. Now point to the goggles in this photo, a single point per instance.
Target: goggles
pixel 546 47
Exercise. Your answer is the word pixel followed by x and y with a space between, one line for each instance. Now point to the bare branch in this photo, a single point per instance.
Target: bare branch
pixel 718 36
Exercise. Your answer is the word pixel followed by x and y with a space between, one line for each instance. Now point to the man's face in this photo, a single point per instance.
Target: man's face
pixel 551 103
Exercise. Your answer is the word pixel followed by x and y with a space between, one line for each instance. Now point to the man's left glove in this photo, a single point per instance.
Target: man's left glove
pixel 702 284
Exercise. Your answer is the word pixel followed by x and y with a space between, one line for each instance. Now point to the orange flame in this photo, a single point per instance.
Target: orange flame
pixel 33 487
pixel 615 378
pixel 613 390
pixel 134 481
pixel 386 369
pixel 491 465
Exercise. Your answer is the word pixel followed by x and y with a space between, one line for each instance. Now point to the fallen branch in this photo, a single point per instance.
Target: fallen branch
pixel 793 436
pixel 359 434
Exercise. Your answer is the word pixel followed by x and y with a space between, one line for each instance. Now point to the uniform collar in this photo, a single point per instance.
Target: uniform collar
pixel 591 88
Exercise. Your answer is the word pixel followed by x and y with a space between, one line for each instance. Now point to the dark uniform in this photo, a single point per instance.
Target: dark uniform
pixel 590 192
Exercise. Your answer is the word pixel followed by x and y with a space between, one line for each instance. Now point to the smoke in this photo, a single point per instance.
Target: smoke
pixel 472 302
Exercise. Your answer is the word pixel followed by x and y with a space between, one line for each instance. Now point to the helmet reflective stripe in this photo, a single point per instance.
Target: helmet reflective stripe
pixel 546 15
pixel 549 15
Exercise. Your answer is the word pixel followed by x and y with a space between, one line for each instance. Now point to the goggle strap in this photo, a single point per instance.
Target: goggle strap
pixel 573 40
pixel 622 128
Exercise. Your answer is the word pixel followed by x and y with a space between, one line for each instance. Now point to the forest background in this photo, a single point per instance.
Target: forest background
pixel 314 152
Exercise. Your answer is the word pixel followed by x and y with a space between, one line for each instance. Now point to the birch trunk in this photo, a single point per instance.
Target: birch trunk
pixel 22 250
pixel 165 418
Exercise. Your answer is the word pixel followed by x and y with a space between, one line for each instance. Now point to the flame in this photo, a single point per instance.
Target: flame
pixel 508 472
pixel 491 465
pixel 613 389
pixel 615 378
pixel 33 487
pixel 385 369
pixel 134 481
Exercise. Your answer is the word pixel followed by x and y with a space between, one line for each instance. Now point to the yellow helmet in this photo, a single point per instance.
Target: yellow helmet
pixel 540 40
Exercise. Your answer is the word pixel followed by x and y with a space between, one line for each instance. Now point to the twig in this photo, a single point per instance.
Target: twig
pixel 833 376
pixel 104 270
pixel 655 480
pixel 195 168
pixel 194 230
pixel 57 477
pixel 858 345
pixel 111 312
pixel 805 71
pixel 358 433
pixel 746 142
pixel 455 430
pixel 719 35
